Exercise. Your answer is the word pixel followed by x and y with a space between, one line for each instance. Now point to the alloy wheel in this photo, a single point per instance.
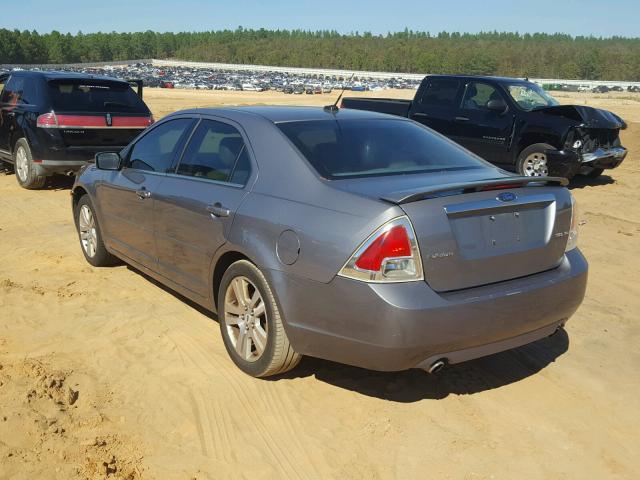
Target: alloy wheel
pixel 88 234
pixel 245 318
pixel 22 164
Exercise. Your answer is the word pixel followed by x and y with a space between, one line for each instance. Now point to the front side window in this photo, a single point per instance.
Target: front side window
pixel 216 151
pixel 359 148
pixel 441 92
pixel 477 95
pixel 530 96
pixel 156 150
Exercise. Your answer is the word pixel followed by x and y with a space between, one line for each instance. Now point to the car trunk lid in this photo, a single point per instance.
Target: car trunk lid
pixel 490 236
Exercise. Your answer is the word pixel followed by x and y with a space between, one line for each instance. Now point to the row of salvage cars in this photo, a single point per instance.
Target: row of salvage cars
pixel 355 236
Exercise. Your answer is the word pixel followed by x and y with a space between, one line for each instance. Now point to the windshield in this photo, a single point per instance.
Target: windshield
pixel 95 96
pixel 530 96
pixel 359 148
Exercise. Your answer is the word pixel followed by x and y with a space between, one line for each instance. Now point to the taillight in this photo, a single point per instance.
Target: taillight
pixel 390 254
pixel 47 120
pixel 572 238
pixel 152 120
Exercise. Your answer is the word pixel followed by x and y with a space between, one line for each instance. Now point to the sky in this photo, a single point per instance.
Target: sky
pixel 575 17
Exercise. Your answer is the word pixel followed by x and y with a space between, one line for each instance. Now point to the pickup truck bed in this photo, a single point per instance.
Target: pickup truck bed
pixel 391 106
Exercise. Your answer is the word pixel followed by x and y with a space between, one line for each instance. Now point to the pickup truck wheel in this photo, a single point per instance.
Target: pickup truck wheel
pixel 532 161
pixel 90 235
pixel 25 171
pixel 250 323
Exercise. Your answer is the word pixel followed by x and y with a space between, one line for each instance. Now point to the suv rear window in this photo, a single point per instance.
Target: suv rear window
pixel 361 148
pixel 95 96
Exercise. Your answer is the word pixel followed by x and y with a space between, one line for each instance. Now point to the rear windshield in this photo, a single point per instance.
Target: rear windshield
pixel 360 148
pixel 92 96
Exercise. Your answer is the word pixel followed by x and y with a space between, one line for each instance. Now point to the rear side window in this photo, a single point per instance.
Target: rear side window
pixel 360 148
pixel 94 96
pixel 216 151
pixel 156 150
pixel 18 90
pixel 441 92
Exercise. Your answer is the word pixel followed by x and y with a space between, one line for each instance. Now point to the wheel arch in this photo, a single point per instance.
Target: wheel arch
pixel 532 137
pixel 223 262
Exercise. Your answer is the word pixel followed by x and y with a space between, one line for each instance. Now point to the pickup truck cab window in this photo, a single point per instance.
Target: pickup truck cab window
pixel 156 150
pixel 441 92
pixel 216 151
pixel 477 95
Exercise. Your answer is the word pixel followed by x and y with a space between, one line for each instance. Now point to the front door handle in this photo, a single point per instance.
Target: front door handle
pixel 218 210
pixel 461 119
pixel 143 193
pixel 420 114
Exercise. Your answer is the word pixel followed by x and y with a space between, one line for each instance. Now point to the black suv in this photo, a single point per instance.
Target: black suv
pixel 55 122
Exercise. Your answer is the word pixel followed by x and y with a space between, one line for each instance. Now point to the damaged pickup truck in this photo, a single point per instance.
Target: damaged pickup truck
pixel 512 123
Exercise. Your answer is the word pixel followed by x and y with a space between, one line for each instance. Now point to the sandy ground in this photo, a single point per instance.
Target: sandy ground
pixel 105 374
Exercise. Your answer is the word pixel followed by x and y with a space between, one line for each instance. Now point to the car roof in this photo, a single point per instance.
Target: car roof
pixel 280 114
pixel 54 75
pixel 483 77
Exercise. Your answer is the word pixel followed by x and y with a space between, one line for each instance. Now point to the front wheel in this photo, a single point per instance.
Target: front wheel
pixel 250 323
pixel 25 171
pixel 532 161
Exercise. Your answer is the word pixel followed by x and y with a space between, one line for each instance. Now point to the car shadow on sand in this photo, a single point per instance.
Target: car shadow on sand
pixel 582 181
pixel 409 386
pixel 467 378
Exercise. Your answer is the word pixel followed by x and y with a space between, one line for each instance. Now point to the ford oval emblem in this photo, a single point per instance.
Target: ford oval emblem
pixel 507 197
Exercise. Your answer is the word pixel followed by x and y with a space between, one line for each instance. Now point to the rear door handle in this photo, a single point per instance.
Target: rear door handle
pixel 143 193
pixel 218 210
pixel 420 114
pixel 461 119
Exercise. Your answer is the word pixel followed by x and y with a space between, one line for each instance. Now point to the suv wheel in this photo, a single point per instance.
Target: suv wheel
pixel 250 323
pixel 532 161
pixel 23 164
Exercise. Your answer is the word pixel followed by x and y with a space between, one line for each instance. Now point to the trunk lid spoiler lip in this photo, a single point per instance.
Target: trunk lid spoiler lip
pixel 415 195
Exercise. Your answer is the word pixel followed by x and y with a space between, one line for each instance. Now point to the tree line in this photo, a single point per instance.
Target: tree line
pixel 490 53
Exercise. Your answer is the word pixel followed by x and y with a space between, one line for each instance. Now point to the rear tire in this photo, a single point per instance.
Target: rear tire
pixel 250 323
pixel 90 235
pixel 24 168
pixel 532 161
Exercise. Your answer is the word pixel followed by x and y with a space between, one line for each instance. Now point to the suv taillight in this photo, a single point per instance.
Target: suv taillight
pixel 390 254
pixel 47 120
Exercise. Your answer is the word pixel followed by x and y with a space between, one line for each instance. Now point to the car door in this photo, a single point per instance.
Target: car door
pixel 483 131
pixel 195 206
pixel 9 98
pixel 126 197
pixel 437 105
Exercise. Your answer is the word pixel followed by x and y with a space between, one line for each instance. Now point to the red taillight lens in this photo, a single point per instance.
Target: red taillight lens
pixel 47 120
pixel 392 243
pixel 390 254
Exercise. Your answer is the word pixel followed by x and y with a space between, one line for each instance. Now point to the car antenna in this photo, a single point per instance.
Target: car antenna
pixel 334 108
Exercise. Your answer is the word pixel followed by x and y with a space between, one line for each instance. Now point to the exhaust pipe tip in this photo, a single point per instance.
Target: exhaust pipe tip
pixel 437 366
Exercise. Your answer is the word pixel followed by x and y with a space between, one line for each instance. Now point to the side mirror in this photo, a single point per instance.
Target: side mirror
pixel 498 106
pixel 108 161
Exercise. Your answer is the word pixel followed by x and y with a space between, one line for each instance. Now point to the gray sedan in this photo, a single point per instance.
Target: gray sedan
pixel 347 235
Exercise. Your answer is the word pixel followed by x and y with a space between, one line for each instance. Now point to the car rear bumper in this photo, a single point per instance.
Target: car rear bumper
pixel 67 160
pixel 391 327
